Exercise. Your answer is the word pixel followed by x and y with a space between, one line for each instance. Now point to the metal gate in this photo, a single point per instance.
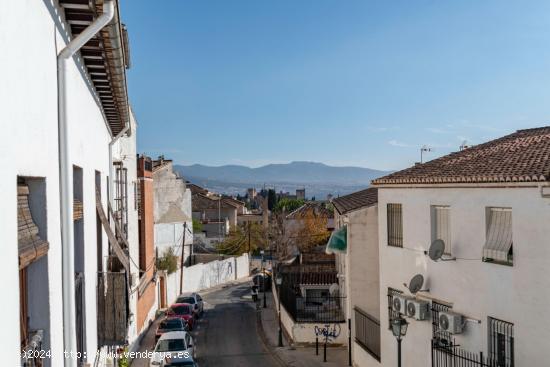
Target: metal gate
pixel 80 316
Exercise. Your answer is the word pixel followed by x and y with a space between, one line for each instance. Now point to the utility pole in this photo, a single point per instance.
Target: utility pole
pixel 182 256
pixel 248 228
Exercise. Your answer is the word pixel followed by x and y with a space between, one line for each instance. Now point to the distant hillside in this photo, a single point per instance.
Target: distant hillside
pixel 318 178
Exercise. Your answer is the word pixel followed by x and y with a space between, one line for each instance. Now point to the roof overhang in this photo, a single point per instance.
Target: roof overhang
pixel 105 58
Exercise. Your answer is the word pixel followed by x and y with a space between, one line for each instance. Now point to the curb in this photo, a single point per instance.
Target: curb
pixel 265 342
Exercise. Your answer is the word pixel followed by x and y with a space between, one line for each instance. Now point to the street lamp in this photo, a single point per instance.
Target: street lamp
pixel 263 277
pixel 399 329
pixel 279 281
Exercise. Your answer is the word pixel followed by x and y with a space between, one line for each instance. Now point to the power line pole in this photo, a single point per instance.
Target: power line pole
pixel 248 228
pixel 182 256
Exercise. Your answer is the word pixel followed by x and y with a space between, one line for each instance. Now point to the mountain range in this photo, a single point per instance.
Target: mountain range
pixel 319 179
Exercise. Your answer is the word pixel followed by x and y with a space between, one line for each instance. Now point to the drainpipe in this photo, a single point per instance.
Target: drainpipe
pixel 66 178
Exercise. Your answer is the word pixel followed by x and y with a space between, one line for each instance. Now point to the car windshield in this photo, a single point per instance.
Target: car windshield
pixel 181 310
pixel 170 345
pixel 174 324
pixel 190 300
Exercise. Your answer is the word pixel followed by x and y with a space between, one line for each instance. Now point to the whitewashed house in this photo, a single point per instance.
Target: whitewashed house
pixel 489 293
pixel 61 108
pixel 173 228
pixel 356 216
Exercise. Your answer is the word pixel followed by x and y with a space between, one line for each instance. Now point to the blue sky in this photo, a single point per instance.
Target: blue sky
pixel 352 82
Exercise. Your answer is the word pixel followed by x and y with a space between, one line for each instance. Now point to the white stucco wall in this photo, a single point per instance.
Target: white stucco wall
pixel 203 276
pixel 360 265
pixel 29 120
pixel 125 150
pixel 517 294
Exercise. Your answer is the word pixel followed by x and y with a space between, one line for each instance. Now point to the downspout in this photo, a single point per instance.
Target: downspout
pixel 66 178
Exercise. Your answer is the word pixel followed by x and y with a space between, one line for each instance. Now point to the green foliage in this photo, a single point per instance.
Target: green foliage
pixel 168 261
pixel 123 359
pixel 197 226
pixel 271 199
pixel 239 239
pixel 289 205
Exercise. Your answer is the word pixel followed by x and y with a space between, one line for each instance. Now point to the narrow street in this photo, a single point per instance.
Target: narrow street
pixel 226 335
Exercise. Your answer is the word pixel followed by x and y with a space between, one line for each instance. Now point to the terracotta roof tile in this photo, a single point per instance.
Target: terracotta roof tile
pixel 523 156
pixel 356 200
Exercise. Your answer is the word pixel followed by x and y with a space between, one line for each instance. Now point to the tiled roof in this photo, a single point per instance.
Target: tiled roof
pixel 523 156
pixel 356 200
pixel 318 210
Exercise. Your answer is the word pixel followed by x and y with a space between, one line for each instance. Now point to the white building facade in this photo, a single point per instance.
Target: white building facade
pixel 489 291
pixel 30 117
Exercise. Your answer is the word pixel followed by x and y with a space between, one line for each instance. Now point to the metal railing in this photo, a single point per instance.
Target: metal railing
pixel 324 308
pixel 367 332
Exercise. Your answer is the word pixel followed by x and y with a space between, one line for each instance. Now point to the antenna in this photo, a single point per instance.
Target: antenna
pixel 415 285
pixel 423 149
pixel 464 145
pixel 437 250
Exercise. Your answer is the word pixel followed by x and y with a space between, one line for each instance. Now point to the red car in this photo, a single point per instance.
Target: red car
pixel 183 311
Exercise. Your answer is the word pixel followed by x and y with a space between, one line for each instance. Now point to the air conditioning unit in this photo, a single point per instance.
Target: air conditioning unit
pixel 451 322
pixel 418 309
pixel 399 303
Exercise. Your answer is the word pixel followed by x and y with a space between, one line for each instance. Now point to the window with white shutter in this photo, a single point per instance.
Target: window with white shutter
pixel 498 243
pixel 441 225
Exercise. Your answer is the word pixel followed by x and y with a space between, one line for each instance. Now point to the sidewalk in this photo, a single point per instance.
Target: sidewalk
pixel 295 356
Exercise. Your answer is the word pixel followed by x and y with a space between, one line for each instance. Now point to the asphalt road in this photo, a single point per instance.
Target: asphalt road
pixel 226 335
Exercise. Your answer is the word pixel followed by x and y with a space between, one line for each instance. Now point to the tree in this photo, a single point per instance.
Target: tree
pixel 312 231
pixel 271 199
pixel 197 226
pixel 288 205
pixel 243 239
pixel 168 261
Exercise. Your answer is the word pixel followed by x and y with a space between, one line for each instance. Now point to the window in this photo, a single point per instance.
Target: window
pixel 395 225
pixel 498 242
pixel 501 343
pixel 441 225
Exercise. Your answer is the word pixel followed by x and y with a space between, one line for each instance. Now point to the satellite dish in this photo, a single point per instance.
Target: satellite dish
pixel 333 289
pixel 416 283
pixel 437 249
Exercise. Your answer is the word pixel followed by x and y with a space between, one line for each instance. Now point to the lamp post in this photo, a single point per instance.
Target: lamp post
pixel 399 329
pixel 279 281
pixel 263 277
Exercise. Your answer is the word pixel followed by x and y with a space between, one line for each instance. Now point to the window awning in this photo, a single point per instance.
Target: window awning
pixel 31 246
pixel 499 235
pixel 338 241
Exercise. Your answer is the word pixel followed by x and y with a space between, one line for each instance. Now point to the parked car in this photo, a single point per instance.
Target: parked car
pixel 184 311
pixel 170 324
pixel 193 299
pixel 186 362
pixel 174 345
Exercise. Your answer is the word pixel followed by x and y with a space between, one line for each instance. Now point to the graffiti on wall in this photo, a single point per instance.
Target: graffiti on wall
pixel 328 331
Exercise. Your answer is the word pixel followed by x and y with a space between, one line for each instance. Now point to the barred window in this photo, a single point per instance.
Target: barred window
pixel 395 225
pixel 501 343
pixel 441 225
